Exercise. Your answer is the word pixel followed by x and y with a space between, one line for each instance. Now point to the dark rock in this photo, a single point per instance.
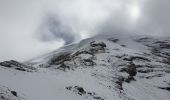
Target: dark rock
pixel 89 93
pixel 129 79
pixel 113 40
pixel 89 62
pixel 2 97
pixel 69 87
pixel 14 93
pixel 123 70
pixel 145 71
pixel 160 42
pixel 139 66
pixel 101 44
pixel 17 65
pixel 97 97
pixel 63 67
pixel 144 39
pixel 157 75
pixel 123 45
pixel 131 58
pixel 119 83
pixel 166 61
pixel 82 52
pixel 131 70
pixel 165 88
pixel 60 58
pixel 21 69
pixel 80 90
pixel 165 45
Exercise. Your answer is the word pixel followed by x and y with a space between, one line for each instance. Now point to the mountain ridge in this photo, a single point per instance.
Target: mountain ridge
pixel 104 67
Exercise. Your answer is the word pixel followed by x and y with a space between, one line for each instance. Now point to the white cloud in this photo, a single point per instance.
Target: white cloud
pixel 26 30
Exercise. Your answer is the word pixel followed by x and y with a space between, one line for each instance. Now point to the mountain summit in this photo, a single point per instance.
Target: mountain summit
pixel 105 67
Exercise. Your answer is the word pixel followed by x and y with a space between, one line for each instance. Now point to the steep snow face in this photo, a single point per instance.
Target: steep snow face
pixel 112 67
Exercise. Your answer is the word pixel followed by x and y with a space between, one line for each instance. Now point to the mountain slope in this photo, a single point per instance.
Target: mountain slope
pixel 109 67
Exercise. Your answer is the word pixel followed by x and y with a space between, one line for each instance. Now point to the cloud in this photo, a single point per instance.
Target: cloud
pixel 148 17
pixel 29 28
pixel 19 21
pixel 155 18
pixel 53 29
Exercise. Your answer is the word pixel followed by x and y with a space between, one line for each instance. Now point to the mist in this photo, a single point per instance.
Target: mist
pixel 29 28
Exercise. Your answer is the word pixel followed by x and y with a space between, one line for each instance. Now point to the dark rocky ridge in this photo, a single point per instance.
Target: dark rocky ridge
pixel 17 65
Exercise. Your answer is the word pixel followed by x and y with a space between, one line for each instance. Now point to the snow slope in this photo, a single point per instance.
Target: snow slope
pixel 105 67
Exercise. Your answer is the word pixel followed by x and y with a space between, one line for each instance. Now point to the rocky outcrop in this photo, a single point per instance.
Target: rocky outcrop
pixel 84 56
pixel 17 65
pixel 60 58
pixel 8 94
pixel 79 90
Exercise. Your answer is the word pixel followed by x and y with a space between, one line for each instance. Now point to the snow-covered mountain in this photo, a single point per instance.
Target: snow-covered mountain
pixel 105 67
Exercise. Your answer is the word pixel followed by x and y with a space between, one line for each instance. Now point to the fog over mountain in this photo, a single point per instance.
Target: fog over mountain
pixel 35 27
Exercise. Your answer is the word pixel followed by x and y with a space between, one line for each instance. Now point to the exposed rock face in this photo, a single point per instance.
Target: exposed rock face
pixel 131 69
pixel 17 65
pixel 14 93
pixel 79 90
pixel 165 45
pixel 84 56
pixel 60 58
pixel 132 58
pixel 97 47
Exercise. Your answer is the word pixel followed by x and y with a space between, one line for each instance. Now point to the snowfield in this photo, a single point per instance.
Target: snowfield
pixel 105 67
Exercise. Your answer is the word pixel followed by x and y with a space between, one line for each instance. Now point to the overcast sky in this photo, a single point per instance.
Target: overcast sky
pixel 29 28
